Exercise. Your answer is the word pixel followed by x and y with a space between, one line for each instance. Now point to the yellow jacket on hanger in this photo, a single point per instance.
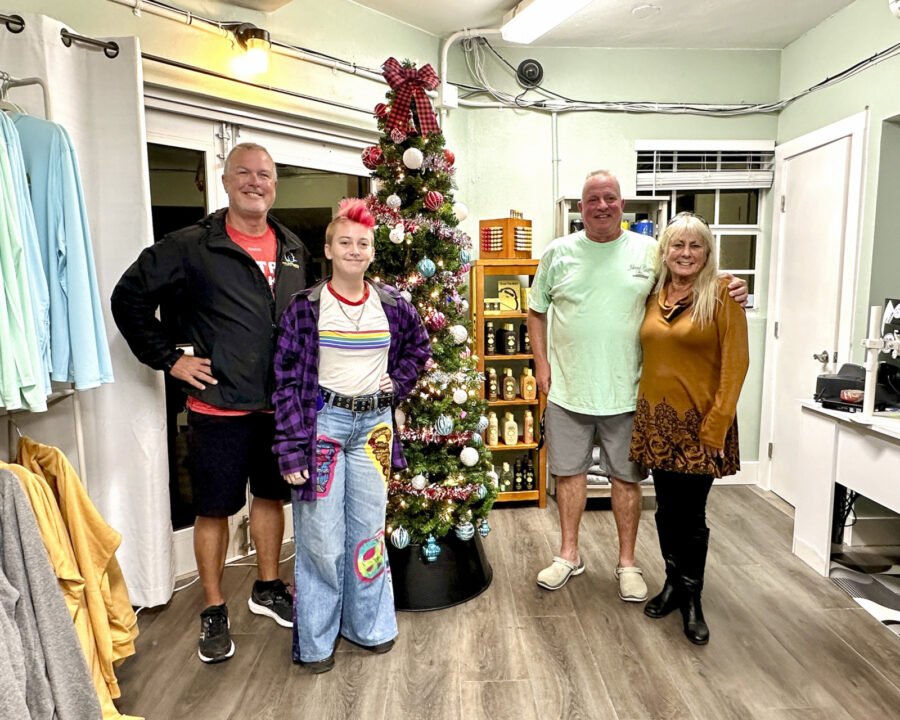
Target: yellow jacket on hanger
pixel 104 619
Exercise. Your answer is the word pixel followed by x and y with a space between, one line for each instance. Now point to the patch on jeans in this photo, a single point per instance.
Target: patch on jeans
pixel 378 448
pixel 326 459
pixel 370 558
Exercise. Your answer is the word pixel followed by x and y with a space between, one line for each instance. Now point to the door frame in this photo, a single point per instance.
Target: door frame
pixel 855 127
pixel 214 126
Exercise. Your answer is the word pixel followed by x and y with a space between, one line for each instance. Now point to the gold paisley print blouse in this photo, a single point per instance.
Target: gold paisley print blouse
pixel 689 388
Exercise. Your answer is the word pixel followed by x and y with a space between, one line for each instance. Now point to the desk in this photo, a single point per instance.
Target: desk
pixel 837 447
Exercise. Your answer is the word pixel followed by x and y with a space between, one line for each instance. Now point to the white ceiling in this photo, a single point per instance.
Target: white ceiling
pixel 610 23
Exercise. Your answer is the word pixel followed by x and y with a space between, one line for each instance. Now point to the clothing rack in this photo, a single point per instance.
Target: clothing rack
pixel 15 433
pixel 7 81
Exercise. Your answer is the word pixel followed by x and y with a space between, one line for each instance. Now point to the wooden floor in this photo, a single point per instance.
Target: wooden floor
pixel 786 643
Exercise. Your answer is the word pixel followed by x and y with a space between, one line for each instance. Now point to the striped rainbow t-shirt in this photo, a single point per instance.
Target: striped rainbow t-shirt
pixel 351 360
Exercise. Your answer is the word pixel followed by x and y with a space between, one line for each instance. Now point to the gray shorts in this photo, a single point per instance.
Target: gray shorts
pixel 571 437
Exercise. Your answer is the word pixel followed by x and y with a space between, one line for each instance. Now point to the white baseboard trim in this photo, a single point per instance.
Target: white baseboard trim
pixel 811 557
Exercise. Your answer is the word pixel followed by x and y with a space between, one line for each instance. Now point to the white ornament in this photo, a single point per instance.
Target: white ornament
pixel 459 334
pixel 468 456
pixel 483 422
pixel 419 482
pixel 413 158
pixel 400 417
pixel 393 201
pixel 493 477
pixel 464 307
pixel 459 209
pixel 406 295
pixel 400 537
pixel 460 396
pixel 396 236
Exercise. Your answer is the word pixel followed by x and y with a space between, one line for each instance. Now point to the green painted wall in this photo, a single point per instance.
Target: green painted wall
pixel 886 231
pixel 857 32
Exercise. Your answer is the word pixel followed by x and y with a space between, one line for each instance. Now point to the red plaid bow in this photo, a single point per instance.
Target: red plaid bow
pixel 409 85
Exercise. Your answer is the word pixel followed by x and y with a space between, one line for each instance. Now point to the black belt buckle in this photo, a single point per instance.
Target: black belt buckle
pixel 362 403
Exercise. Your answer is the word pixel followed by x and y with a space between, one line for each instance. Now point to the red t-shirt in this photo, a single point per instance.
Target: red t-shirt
pixel 262 249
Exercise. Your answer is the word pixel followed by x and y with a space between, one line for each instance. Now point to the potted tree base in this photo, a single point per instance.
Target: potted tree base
pixel 460 573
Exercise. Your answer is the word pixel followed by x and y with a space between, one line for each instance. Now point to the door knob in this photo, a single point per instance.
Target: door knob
pixel 822 357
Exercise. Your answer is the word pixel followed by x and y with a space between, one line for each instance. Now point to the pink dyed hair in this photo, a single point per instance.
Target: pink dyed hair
pixel 350 210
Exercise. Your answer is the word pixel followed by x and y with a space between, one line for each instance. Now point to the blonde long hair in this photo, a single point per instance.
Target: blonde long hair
pixel 705 290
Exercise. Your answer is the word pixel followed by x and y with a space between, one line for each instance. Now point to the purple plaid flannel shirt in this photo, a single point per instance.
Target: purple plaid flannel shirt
pixel 297 375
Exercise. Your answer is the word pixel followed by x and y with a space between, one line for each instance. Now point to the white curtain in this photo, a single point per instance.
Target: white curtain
pixel 100 103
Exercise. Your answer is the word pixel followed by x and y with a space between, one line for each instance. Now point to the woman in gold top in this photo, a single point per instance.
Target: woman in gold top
pixel 694 340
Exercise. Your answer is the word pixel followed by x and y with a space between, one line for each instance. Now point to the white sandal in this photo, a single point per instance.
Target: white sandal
pixel 558 573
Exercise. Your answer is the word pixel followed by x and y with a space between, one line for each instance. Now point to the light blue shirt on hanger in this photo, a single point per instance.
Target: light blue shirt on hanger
pixel 79 351
pixel 37 281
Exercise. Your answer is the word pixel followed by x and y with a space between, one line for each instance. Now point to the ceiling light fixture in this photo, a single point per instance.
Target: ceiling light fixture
pixel 255 42
pixel 530 19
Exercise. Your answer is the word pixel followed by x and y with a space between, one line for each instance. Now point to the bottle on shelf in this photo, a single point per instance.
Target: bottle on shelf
pixel 510 344
pixel 493 387
pixel 528 428
pixel 506 478
pixel 508 387
pixel 524 340
pixel 518 476
pixel 528 385
pixel 493 430
pixel 529 475
pixel 490 339
pixel 510 430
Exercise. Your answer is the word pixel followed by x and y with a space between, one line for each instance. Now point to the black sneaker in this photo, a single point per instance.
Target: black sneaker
pixel 273 600
pixel 215 640
pixel 317 667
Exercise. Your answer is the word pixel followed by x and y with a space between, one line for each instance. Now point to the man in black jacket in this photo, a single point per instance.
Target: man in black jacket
pixel 228 278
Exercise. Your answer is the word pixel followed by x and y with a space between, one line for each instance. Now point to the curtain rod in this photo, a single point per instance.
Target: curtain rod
pixel 110 49
pixel 248 83
pixel 14 23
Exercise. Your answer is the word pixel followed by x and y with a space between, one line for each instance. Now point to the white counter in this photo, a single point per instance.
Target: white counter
pixel 860 453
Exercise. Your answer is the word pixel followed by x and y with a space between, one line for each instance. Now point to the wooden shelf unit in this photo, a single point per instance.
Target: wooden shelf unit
pixel 483 269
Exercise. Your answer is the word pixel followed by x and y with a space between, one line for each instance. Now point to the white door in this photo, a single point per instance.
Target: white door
pixel 812 290
pixel 187 149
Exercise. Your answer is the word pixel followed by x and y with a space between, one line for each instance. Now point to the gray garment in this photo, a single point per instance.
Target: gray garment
pixel 55 683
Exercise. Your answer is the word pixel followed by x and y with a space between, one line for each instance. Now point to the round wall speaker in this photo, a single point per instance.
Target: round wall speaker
pixel 529 73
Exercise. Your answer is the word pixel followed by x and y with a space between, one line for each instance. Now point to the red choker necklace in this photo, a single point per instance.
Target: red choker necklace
pixel 344 300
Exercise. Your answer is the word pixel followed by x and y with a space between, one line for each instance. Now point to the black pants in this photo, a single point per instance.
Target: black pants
pixel 681 523
pixel 682 498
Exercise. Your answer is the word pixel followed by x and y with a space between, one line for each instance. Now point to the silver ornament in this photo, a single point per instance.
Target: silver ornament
pixel 477 439
pixel 400 538
pixel 459 334
pixel 443 425
pixel 468 456
pixel 482 424
pixel 393 201
pixel 396 236
pixel 465 531
pixel 460 396
pixel 413 158
pixel 419 482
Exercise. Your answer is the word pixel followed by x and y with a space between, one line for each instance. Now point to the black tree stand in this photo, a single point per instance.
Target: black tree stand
pixel 460 573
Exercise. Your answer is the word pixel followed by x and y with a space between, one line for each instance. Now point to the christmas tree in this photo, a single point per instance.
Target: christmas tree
pixel 450 483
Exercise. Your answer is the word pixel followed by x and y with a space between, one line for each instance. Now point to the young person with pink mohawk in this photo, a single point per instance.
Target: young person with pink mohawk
pixel 348 350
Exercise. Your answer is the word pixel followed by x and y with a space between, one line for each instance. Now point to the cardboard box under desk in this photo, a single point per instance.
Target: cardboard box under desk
pixel 508 250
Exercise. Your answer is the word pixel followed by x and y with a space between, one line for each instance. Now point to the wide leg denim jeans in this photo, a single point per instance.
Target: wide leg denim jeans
pixel 341 576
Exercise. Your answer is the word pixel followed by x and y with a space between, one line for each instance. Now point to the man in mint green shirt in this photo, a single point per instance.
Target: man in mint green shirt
pixel 596 281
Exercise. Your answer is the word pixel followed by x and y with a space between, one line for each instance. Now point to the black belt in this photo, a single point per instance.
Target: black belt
pixel 359 403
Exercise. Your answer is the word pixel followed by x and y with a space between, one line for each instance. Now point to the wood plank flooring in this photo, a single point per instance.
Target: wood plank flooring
pixel 786 643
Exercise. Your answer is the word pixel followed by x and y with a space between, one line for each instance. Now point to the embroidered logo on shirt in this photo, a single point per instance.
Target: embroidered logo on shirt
pixel 639 271
pixel 289 260
pixel 378 448
pixel 370 558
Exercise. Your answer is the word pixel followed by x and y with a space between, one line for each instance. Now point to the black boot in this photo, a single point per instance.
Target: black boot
pixel 669 598
pixel 692 569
